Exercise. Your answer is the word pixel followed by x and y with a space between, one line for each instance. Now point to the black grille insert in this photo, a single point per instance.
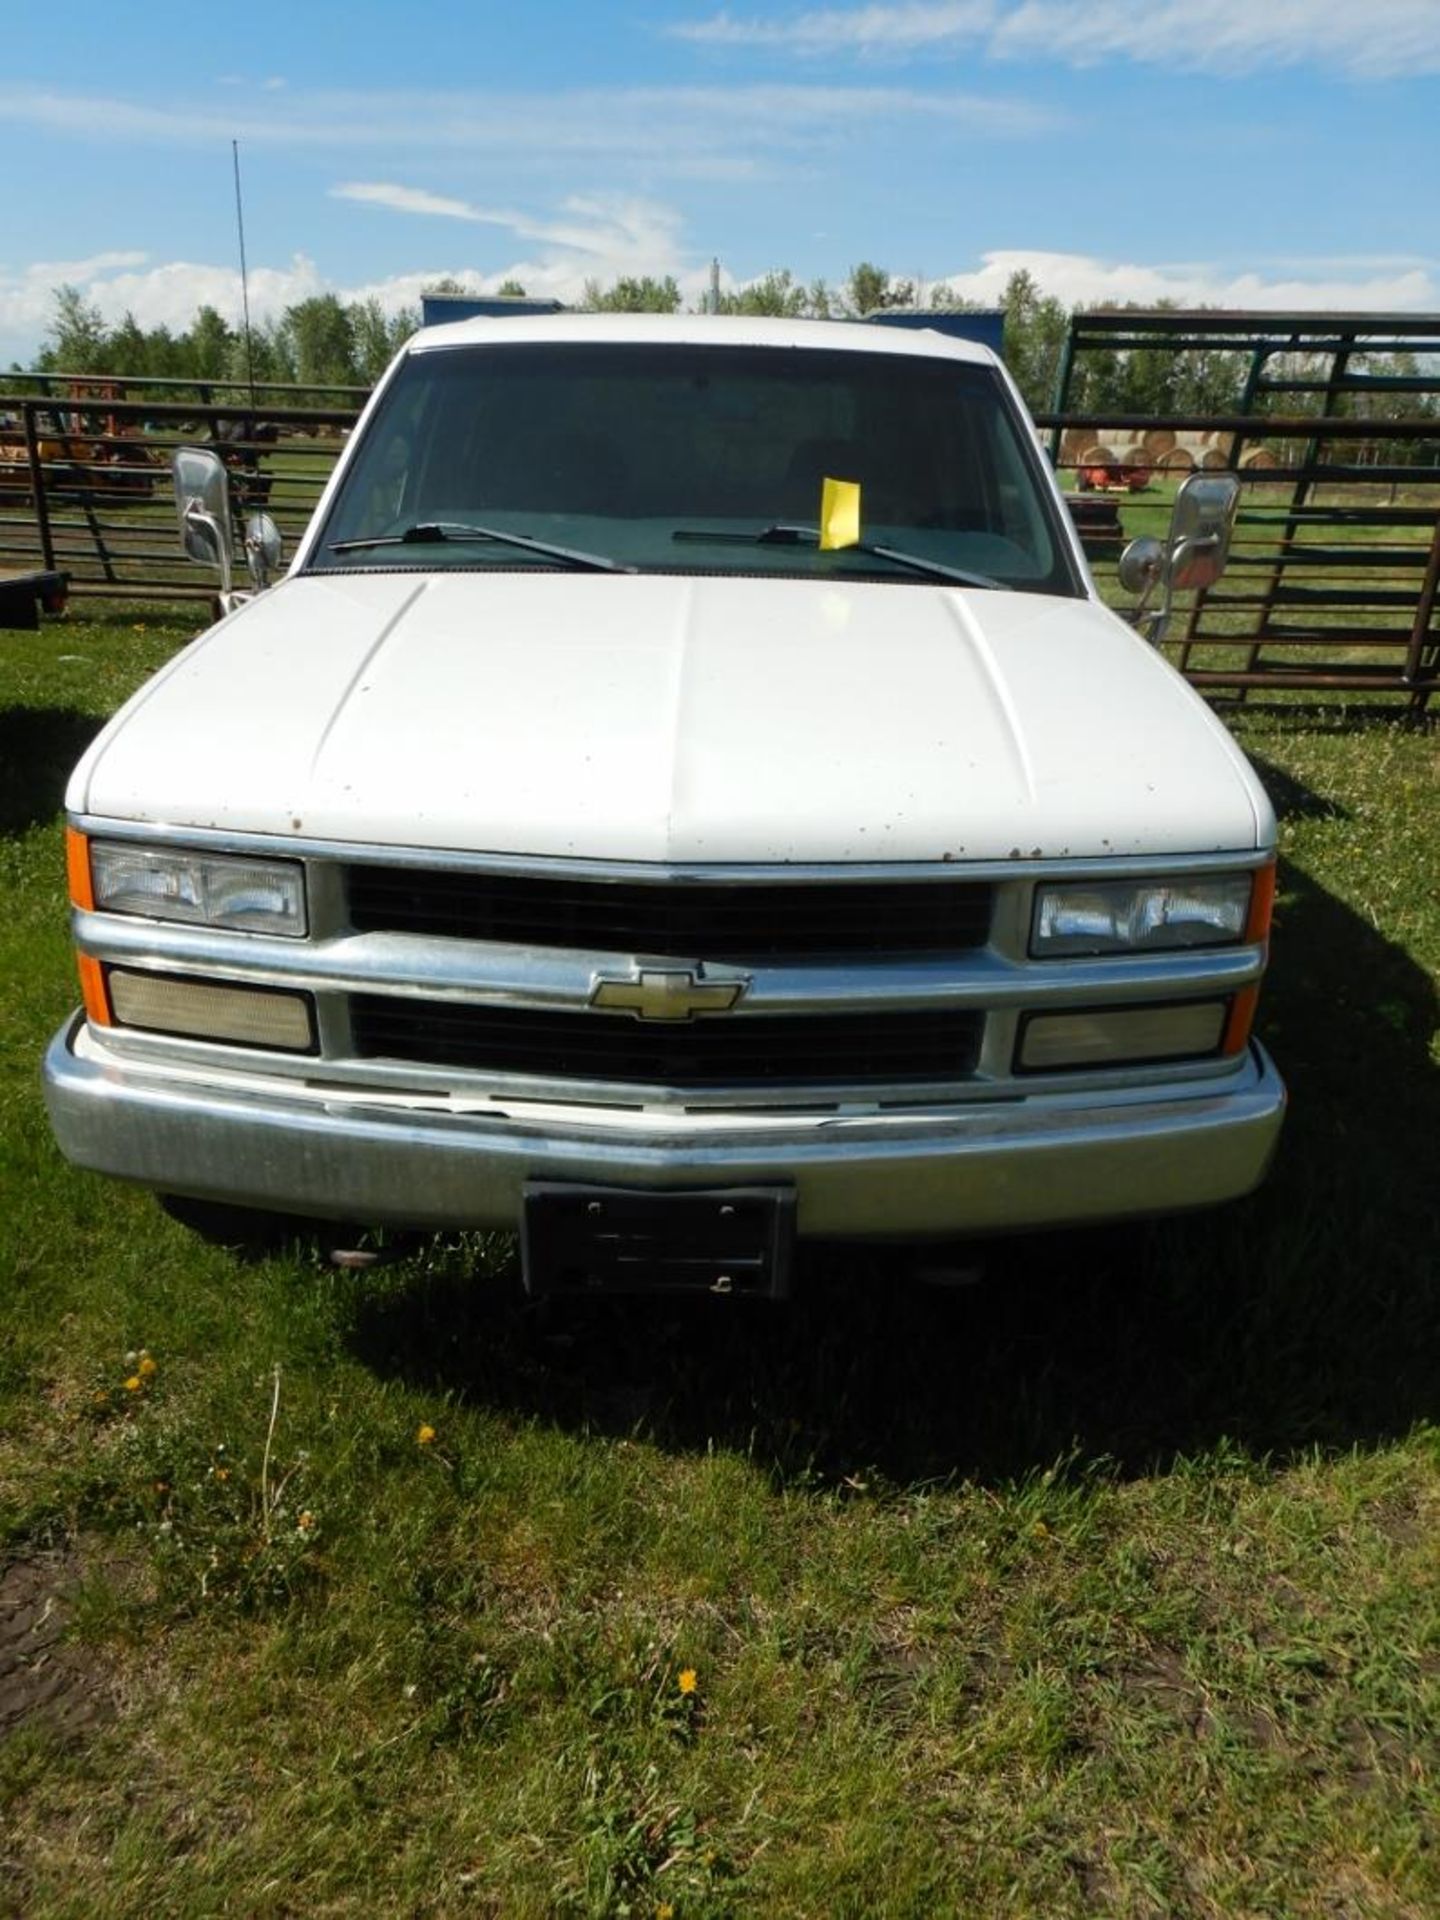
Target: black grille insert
pixel 721 1050
pixel 722 920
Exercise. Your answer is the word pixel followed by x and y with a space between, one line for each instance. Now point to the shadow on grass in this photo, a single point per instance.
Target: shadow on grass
pixel 1292 799
pixel 38 748
pixel 1306 1315
pixel 1323 718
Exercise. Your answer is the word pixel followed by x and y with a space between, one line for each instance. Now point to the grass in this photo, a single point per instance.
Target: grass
pixel 1107 1586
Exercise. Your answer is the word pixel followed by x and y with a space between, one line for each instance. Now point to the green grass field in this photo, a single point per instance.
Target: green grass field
pixel 1109 1585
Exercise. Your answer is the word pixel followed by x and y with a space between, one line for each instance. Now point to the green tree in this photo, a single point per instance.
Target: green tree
pixel 1155 378
pixel 869 288
pixel 823 301
pixel 130 350
pixel 775 293
pixel 511 290
pixel 321 333
pixel 632 295
pixel 1035 329
pixel 942 300
pixel 270 353
pixel 210 345
pixel 377 336
pixel 77 339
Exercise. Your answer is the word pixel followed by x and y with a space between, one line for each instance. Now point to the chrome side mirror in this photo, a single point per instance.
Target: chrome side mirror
pixel 1141 564
pixel 1200 529
pixel 1192 555
pixel 263 549
pixel 202 505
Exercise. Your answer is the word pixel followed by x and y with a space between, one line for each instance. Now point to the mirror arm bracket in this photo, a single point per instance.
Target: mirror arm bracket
pixel 221 536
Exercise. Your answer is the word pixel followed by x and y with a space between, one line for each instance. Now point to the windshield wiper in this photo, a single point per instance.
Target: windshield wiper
pixel 434 532
pixel 783 534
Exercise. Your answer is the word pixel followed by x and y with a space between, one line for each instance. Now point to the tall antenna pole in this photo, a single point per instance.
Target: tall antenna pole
pixel 244 275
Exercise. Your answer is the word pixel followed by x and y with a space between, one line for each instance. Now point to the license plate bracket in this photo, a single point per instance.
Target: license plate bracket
pixel 605 1240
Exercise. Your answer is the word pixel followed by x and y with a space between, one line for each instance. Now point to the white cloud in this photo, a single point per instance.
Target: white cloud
pixel 27 297
pixel 161 294
pixel 608 227
pixel 648 240
pixel 1078 279
pixel 872 29
pixel 1380 40
pixel 708 132
pixel 381 193
pixel 591 237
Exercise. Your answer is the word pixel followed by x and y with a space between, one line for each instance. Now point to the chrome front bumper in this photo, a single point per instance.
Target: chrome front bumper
pixel 977 1168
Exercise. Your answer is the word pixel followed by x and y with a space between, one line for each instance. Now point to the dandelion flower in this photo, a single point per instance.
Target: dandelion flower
pixel 146 1367
pixel 305 1521
pixel 222 1473
pixel 689 1680
pixel 133 1384
pixel 664 1911
pixel 425 1437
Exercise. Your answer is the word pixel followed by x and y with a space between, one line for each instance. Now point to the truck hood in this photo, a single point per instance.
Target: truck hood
pixel 677 718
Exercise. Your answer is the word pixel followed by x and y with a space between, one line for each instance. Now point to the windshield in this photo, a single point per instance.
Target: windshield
pixel 697 459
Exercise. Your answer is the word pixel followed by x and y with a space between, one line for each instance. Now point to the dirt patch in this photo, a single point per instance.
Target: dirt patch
pixel 47 1680
pixel 1159 1680
pixel 1378 1756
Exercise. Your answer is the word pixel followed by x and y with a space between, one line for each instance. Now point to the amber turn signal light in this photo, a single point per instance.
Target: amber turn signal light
pixel 77 869
pixel 92 990
pixel 1262 905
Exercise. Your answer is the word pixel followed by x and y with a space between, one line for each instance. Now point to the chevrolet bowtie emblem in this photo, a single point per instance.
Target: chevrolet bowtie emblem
pixel 666 994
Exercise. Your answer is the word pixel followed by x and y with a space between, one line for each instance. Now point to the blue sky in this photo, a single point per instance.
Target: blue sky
pixel 1266 152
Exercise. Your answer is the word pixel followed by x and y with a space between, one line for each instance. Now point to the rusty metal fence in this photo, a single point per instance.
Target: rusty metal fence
pixel 1332 584
pixel 1336 561
pixel 85 481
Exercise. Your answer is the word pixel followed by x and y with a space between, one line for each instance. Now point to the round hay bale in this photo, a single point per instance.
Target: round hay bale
pixel 1258 457
pixel 1157 442
pixel 1177 460
pixel 1097 455
pixel 1073 443
pixel 1213 459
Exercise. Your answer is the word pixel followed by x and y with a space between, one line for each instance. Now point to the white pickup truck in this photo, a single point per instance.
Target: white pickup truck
pixel 686 792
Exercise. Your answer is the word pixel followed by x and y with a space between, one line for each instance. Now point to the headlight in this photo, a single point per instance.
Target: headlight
pixel 202 889
pixel 1140 916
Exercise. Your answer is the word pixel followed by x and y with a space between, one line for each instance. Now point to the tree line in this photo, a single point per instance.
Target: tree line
pixel 325 342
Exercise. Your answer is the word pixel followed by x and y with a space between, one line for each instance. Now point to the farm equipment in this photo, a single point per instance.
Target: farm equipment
pixel 25 596
pixel 83 450
pixel 240 444
pixel 1100 470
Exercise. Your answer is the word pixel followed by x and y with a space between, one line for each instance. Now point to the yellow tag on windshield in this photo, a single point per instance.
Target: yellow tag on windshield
pixel 839 514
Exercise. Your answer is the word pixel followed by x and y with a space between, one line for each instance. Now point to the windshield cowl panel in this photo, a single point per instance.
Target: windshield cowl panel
pixel 699 458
